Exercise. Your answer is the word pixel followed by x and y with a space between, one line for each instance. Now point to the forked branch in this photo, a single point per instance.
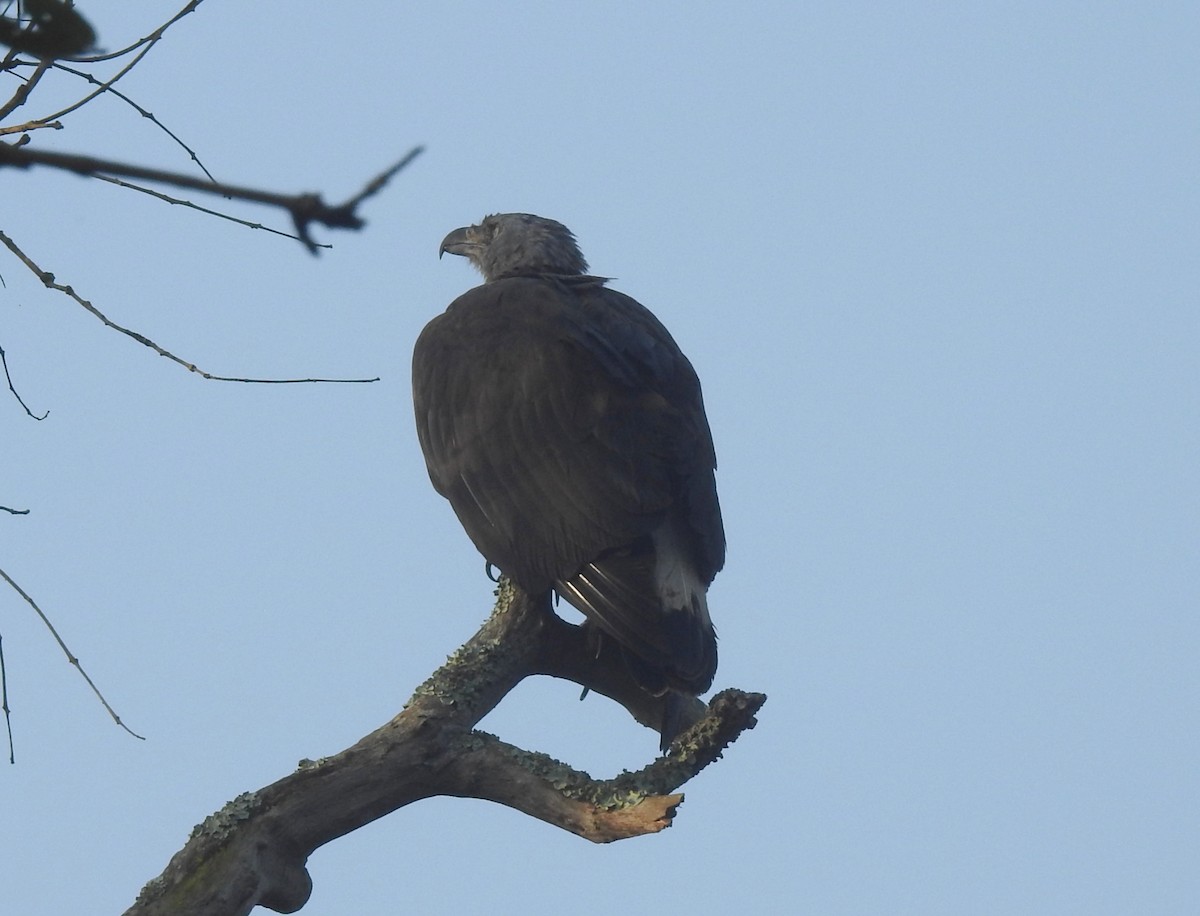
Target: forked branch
pixel 305 209
pixel 253 851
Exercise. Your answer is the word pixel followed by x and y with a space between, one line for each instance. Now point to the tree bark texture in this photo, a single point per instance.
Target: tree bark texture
pixel 253 851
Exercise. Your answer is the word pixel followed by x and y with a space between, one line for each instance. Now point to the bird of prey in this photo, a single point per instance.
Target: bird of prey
pixel 567 430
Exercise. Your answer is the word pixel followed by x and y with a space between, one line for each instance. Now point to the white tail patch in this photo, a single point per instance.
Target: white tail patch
pixel 679 588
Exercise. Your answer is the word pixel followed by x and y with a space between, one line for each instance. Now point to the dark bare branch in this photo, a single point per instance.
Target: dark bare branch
pixel 375 185
pixel 12 388
pixel 21 95
pixel 145 113
pixel 254 850
pixel 142 47
pixel 29 126
pixel 305 209
pixel 632 804
pixel 74 661
pixel 177 201
pixel 12 751
pixel 535 784
pixel 150 39
pixel 49 281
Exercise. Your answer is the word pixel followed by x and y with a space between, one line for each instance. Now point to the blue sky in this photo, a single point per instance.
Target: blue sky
pixel 937 267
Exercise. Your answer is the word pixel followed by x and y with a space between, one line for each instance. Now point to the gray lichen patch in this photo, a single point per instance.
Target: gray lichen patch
pixel 566 779
pixel 457 683
pixel 219 824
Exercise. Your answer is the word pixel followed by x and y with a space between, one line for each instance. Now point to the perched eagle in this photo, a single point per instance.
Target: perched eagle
pixel 567 430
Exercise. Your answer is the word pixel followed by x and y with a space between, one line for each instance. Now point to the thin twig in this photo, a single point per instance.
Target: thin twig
pixel 305 209
pixel 140 110
pixel 145 44
pixel 14 511
pixel 48 280
pixel 103 87
pixel 70 657
pixel 195 206
pixel 28 126
pixel 12 754
pixel 22 93
pixel 152 37
pixel 4 361
pixel 375 185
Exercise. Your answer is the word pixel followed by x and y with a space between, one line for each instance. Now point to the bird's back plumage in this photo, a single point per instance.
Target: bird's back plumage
pixel 567 430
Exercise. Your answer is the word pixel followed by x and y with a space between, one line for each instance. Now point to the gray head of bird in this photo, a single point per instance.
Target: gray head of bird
pixel 517 244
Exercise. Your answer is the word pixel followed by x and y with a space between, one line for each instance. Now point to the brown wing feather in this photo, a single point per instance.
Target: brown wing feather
pixel 565 427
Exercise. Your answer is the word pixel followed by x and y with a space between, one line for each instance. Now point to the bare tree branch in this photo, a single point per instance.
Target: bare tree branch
pixel 22 94
pixel 12 751
pixel 146 45
pixel 305 209
pixel 253 851
pixel 152 38
pixel 70 655
pixel 145 113
pixel 48 280
pixel 177 201
pixel 103 86
pixel 375 185
pixel 7 375
pixel 29 126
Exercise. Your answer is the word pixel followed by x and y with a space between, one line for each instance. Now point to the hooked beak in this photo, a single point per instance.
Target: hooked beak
pixel 460 242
